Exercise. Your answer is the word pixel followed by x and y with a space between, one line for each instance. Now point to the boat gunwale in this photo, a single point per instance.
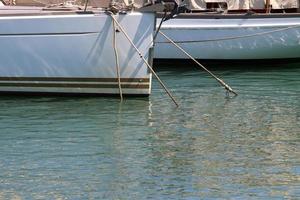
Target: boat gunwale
pixel 46 11
pixel 232 16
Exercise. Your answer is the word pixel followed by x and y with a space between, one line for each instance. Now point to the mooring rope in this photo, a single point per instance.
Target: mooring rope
pixel 145 61
pixel 159 26
pixel 85 5
pixel 232 38
pixel 227 87
pixel 117 60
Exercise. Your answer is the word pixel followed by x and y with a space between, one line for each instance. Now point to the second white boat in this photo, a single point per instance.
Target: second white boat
pixel 231 36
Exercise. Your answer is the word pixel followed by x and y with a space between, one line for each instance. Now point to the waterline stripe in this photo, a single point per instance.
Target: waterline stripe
pixel 74 85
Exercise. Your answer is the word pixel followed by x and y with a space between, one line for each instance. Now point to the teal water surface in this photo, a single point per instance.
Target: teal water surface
pixel 211 147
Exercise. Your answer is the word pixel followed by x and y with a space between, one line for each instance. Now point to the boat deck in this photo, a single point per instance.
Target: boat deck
pixel 215 15
pixel 31 10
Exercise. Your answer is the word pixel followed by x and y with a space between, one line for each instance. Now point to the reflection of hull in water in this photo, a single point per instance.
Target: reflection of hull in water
pixel 73 53
pixel 231 37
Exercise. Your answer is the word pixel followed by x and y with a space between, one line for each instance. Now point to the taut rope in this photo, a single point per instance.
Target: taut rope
pixel 233 38
pixel 145 61
pixel 227 87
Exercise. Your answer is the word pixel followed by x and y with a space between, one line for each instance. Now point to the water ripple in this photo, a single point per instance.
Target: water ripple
pixel 212 147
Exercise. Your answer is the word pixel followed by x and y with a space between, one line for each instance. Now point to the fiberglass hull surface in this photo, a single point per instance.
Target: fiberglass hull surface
pixel 231 38
pixel 73 53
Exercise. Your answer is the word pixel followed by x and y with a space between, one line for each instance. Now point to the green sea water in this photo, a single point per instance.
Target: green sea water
pixel 211 147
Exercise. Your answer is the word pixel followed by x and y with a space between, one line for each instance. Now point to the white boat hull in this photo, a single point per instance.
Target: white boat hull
pixel 231 39
pixel 73 53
